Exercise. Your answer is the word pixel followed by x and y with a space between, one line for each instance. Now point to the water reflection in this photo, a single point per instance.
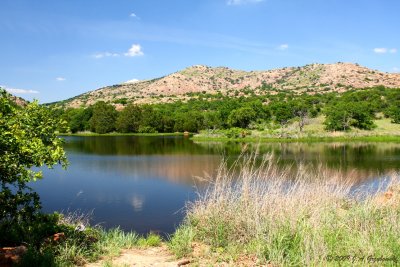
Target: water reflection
pixel 142 183
pixel 358 160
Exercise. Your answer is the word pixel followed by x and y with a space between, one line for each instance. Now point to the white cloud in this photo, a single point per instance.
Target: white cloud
pixel 380 50
pixel 135 50
pixel 283 47
pixel 384 50
pixel 134 16
pixel 105 54
pixel 60 79
pixel 242 2
pixel 395 69
pixel 137 203
pixel 19 91
pixel 132 81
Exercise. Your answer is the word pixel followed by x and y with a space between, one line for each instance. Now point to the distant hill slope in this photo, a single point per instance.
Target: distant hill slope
pixel 19 101
pixel 200 79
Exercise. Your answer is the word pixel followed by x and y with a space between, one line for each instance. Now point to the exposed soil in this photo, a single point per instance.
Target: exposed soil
pixel 155 256
pixel 161 256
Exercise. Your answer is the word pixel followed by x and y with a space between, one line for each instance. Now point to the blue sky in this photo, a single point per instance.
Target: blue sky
pixel 55 49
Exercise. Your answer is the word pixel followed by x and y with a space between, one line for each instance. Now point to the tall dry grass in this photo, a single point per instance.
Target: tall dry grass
pixel 306 217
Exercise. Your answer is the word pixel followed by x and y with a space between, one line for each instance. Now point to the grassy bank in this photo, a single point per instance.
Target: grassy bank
pixel 314 131
pixel 205 138
pixel 119 134
pixel 263 215
pixel 59 240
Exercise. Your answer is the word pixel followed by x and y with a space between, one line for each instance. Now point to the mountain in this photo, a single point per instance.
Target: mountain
pixel 200 79
pixel 18 101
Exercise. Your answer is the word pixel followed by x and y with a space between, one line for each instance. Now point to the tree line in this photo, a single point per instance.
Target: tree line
pixel 342 111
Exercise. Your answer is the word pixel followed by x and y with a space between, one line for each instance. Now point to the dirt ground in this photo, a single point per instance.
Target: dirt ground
pixel 155 256
pixel 161 256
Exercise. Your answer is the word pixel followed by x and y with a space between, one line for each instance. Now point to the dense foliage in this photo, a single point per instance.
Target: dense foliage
pixel 27 140
pixel 343 111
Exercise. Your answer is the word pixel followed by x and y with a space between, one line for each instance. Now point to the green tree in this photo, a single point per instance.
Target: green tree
pixel 393 112
pixel 78 119
pixel 27 139
pixel 212 120
pixel 302 111
pixel 168 123
pixel 241 117
pixel 342 115
pixel 193 121
pixel 190 121
pixel 129 119
pixel 152 120
pixel 179 119
pixel 103 118
pixel 282 111
pixel 338 117
pixel 363 115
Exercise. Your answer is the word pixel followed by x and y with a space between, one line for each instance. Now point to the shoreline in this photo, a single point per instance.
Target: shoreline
pixel 121 134
pixel 372 138
pixel 311 139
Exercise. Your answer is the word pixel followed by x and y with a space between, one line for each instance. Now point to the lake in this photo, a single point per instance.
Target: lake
pixel 143 183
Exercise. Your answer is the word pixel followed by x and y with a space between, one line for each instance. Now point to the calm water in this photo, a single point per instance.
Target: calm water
pixel 143 183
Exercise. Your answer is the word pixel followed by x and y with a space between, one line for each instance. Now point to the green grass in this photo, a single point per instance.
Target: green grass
pixel 114 240
pixel 180 242
pixel 119 134
pixel 110 264
pixel 286 219
pixel 152 240
pixel 80 248
pixel 302 139
pixel 313 132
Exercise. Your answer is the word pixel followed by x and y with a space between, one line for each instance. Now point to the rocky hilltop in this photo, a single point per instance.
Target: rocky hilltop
pixel 199 79
pixel 19 101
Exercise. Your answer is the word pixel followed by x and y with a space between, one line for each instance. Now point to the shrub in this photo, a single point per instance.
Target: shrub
pixel 236 132
pixel 146 129
pixel 287 218
pixel 27 139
